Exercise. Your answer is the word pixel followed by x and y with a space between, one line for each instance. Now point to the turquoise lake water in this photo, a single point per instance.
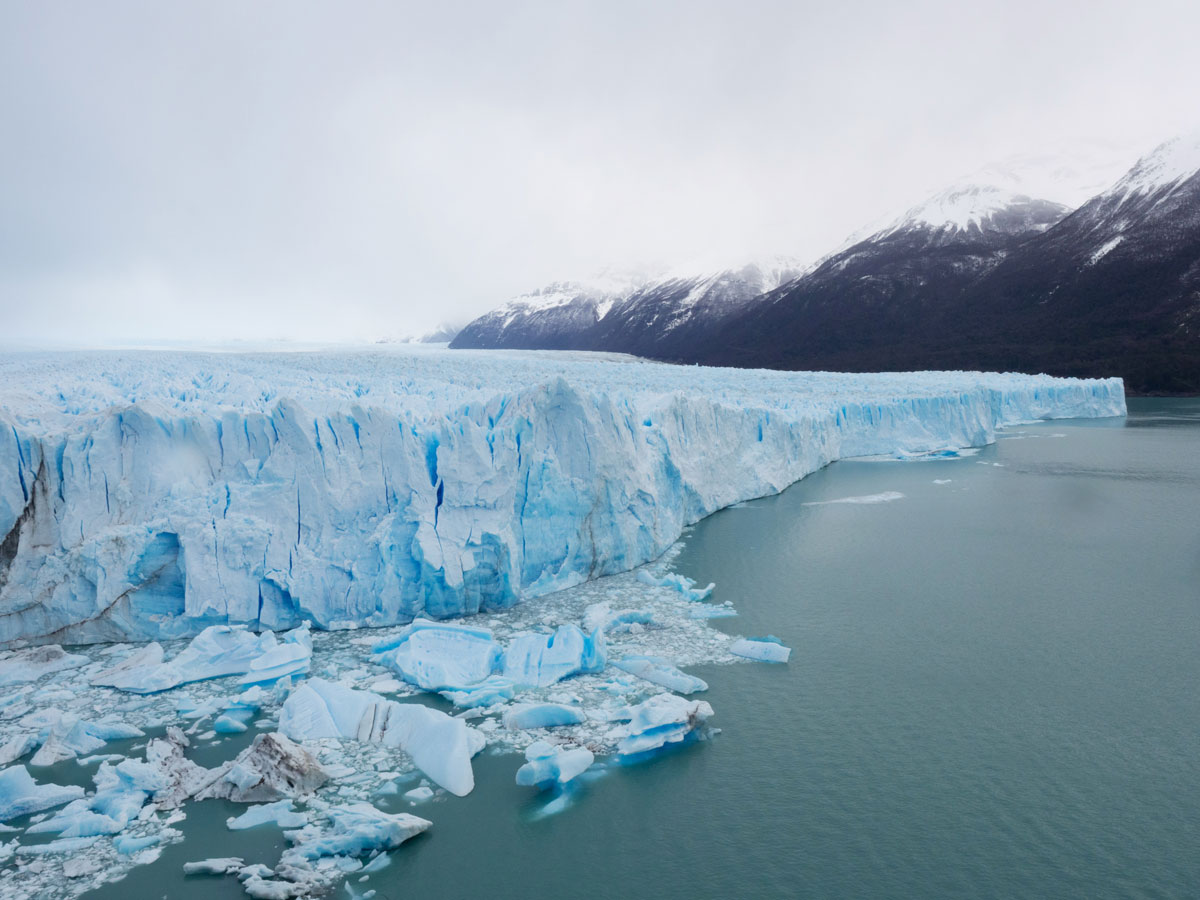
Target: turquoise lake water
pixel 992 693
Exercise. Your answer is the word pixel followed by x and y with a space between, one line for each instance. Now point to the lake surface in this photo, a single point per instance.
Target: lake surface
pixel 992 693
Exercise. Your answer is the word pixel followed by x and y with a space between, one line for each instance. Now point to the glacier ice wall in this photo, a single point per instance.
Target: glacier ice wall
pixel 151 494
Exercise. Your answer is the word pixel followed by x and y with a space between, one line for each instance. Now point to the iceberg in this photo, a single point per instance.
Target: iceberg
pixel 764 649
pixel 661 672
pixel 538 660
pixel 218 651
pixel 548 765
pixel 489 692
pixel 542 715
pixel 147 496
pixel 271 768
pixel 441 746
pixel 281 813
pixel 437 656
pixel 20 795
pixel 661 721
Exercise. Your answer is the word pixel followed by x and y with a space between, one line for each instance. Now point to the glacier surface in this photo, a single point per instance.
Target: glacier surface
pixel 150 495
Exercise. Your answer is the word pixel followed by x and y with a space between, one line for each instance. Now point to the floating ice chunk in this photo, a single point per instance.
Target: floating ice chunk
pixel 17 747
pixel 216 652
pixel 548 765
pixel 31 664
pixel 355 830
pixel 289 656
pixel 71 736
pixel 440 745
pixel 126 674
pixel 229 724
pixel 538 660
pixel 662 673
pixel 942 480
pixel 219 865
pixel 662 720
pixel 281 813
pixel 419 794
pixel 764 649
pixel 271 768
pixel 438 656
pixel 542 715
pixel 128 844
pixel 712 612
pixel 675 581
pixel 489 692
pixel 20 795
pixel 884 497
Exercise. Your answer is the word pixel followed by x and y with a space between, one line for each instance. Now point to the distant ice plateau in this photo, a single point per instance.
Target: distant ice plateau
pixel 149 495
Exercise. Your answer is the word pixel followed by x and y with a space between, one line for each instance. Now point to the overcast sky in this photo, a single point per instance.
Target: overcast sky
pixel 329 171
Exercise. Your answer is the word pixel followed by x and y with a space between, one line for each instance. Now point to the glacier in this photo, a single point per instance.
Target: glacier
pixel 151 495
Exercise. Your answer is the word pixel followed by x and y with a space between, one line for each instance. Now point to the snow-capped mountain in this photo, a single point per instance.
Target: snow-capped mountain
pixel 985 274
pixel 636 314
pixel 1113 287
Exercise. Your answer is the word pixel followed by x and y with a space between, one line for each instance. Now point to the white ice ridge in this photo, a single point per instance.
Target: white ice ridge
pixel 148 495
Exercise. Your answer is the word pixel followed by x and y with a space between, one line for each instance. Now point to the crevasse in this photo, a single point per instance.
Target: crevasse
pixel 148 495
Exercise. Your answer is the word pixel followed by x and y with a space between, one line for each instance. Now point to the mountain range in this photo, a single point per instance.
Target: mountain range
pixel 980 276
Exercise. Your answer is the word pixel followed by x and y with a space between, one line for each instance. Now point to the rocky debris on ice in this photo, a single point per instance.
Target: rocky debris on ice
pixel 660 672
pixel 663 720
pixel 440 745
pixel 542 715
pixel 548 765
pixel 18 666
pixel 271 768
pixel 216 652
pixel 763 649
pixel 180 778
pixel 20 795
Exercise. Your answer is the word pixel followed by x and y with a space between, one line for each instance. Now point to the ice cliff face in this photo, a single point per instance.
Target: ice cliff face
pixel 150 495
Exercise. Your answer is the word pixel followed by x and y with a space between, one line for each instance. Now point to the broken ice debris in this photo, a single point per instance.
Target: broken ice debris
pixel 542 715
pixel 20 795
pixel 271 768
pixel 661 672
pixel 441 746
pixel 216 652
pixel 663 719
pixel 548 765
pixel 31 664
pixel 71 736
pixel 764 649
pixel 538 660
pixel 488 692
pixel 681 583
